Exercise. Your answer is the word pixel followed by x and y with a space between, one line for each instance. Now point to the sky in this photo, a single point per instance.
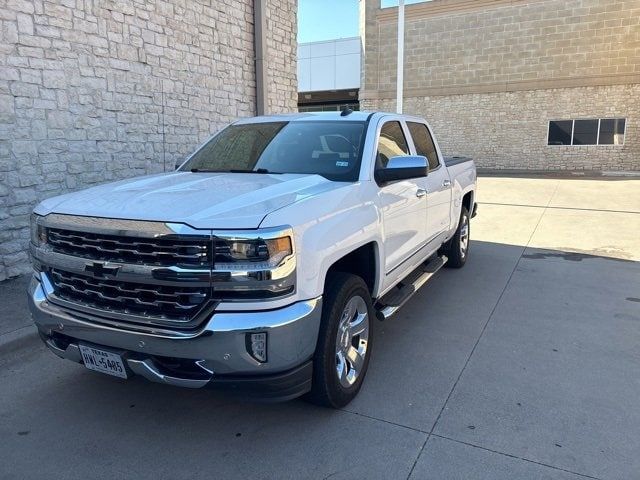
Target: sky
pixel 329 19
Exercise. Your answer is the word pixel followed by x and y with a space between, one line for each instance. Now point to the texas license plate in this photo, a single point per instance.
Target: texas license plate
pixel 104 362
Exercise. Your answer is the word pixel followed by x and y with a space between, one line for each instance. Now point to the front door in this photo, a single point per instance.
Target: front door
pixel 403 203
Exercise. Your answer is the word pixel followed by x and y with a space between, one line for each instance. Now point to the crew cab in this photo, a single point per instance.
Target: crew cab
pixel 261 262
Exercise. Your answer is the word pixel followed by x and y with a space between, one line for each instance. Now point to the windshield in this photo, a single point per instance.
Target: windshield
pixel 328 148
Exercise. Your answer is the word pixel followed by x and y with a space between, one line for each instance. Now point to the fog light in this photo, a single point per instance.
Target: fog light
pixel 257 346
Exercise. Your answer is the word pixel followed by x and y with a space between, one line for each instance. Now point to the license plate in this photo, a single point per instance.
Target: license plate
pixel 103 362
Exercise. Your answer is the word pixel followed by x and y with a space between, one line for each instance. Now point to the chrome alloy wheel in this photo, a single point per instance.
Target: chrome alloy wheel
pixel 352 341
pixel 464 236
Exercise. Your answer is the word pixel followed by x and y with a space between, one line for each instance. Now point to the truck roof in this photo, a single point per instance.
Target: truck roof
pixel 308 116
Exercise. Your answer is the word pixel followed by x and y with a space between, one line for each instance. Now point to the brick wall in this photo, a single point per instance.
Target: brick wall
pixel 282 45
pixel 490 74
pixel 508 130
pixel 93 91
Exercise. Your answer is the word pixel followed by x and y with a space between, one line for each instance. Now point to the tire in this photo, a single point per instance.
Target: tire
pixel 329 388
pixel 457 248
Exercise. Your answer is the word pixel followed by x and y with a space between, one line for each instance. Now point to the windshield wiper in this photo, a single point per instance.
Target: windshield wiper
pixel 257 170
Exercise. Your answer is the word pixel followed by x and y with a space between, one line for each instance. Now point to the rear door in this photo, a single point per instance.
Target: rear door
pixel 402 203
pixel 438 183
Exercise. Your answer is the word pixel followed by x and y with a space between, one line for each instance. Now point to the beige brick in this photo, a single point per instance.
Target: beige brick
pixel 82 98
pixel 504 33
pixel 521 54
pixel 509 130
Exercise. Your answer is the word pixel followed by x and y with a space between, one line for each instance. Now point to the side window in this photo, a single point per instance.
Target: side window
pixel 424 143
pixel 391 143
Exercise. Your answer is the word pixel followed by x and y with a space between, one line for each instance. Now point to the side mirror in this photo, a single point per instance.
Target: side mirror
pixel 402 168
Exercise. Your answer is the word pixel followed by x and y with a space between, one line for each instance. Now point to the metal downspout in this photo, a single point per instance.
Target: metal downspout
pixel 260 45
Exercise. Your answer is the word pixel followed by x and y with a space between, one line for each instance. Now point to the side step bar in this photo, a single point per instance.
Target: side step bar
pixel 393 301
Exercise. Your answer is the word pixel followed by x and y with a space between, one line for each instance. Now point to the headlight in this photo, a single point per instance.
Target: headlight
pixel 38 232
pixel 254 265
pixel 254 254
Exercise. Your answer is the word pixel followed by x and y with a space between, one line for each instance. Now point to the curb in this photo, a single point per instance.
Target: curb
pixel 555 174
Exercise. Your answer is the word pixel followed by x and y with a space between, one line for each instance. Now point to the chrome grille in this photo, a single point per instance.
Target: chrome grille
pixel 169 304
pixel 125 249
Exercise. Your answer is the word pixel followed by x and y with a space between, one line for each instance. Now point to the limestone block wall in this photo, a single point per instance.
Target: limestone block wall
pixel 508 130
pixel 93 91
pixel 490 74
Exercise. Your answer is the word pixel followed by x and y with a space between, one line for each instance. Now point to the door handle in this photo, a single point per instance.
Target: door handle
pixel 421 192
pixel 446 183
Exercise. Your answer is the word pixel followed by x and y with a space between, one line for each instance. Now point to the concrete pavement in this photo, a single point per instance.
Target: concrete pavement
pixel 524 364
pixel 15 322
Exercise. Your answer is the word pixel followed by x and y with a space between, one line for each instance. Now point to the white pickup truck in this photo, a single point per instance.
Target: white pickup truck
pixel 261 262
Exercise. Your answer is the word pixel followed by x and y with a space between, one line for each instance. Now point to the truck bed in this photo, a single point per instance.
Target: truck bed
pixel 451 161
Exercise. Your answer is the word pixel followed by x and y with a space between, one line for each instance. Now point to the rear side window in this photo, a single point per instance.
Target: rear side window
pixel 424 143
pixel 390 144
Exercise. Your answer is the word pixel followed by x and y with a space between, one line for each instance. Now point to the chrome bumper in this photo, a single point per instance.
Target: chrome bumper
pixel 218 350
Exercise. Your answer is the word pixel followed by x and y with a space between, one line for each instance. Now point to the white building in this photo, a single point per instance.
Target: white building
pixel 329 74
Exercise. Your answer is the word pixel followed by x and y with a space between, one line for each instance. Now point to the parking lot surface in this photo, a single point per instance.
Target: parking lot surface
pixel 525 364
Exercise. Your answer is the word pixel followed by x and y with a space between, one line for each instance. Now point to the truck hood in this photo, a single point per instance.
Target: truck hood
pixel 201 200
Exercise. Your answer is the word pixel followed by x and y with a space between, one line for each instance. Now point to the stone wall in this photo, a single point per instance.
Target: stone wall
pixel 508 130
pixel 490 74
pixel 282 47
pixel 93 91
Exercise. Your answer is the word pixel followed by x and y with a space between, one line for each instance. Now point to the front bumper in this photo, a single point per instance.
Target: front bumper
pixel 214 355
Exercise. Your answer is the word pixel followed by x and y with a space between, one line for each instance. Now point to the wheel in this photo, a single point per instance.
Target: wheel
pixel 457 249
pixel 344 341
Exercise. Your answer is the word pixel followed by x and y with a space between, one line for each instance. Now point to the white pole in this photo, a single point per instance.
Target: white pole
pixel 400 73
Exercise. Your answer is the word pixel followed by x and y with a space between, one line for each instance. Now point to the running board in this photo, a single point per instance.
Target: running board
pixel 391 302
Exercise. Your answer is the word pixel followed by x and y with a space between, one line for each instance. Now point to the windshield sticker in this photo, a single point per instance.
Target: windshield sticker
pixel 342 164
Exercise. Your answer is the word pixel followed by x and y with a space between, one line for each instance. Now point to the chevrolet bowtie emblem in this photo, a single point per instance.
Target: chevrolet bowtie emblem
pixel 100 270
